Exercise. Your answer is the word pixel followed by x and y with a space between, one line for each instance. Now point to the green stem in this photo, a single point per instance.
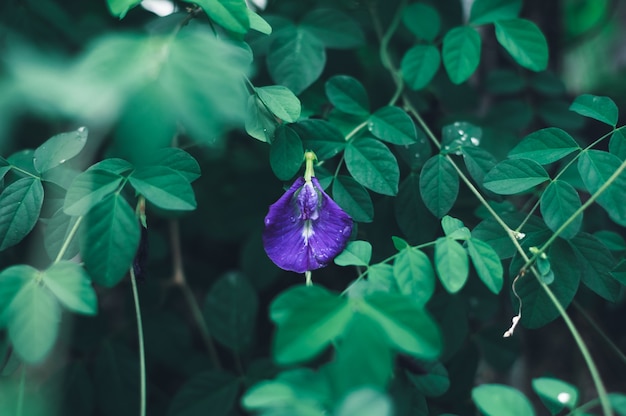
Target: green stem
pixel 24 172
pixel 68 240
pixel 584 407
pixel 142 352
pixel 356 130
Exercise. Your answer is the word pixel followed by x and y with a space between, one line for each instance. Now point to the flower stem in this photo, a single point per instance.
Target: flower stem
pixel 309 159
pixel 142 352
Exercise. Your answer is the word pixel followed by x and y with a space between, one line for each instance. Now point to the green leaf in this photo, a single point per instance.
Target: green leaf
pixel 286 153
pixel 597 107
pixel 545 146
pixel 617 144
pixel 454 228
pixel 461 53
pixel 393 125
pixel 283 306
pixel 353 198
pixel 356 253
pixel 209 392
pixel 334 28
pixel 5 167
pixel 439 185
pixel 451 264
pixel 412 216
pixel 524 41
pixel 422 20
pixel 487 264
pixel 258 23
pixel 119 8
pixel 478 162
pixel 110 240
pixel 596 264
pixel 618 403
pixel 366 401
pixel 490 11
pixel 414 275
pixel 406 325
pixel 178 160
pixel 432 381
pixel 373 165
pixel 232 15
pixel 12 280
pixel 230 311
pixel 595 168
pixel 88 189
pixel 296 59
pixel 612 240
pixel 501 400
pixel 112 165
pixel 164 187
pixel 555 394
pixel 71 285
pixel 558 202
pixel 260 123
pixel 58 149
pixel 419 65
pixel 321 137
pixel 33 322
pixel 280 101
pixel 20 205
pixel 309 327
pixel 348 95
pixel 515 176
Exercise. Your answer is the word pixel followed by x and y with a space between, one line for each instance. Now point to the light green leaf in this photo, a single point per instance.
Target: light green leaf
pixel 178 160
pixel 595 168
pixel 439 185
pixel 612 240
pixel 414 275
pixel 515 176
pixel 501 400
pixel 33 322
pixel 393 125
pixel 58 149
pixel 88 189
pixel 286 153
pixel 71 285
pixel 365 401
pixel 209 392
pixel 119 8
pixel 356 253
pixel 321 137
pixel 260 123
pixel 296 59
pixel 230 311
pixel 232 15
pixel 555 394
pixel 110 239
pixel 286 302
pixel 451 264
pixel 597 107
pixel 334 28
pixel 454 228
pixel 422 20
pixel 489 11
pixel 112 165
pixel 461 53
pixel 617 144
pixel 419 65
pixel 596 263
pixel 20 205
pixel 348 95
pixel 164 187
pixel 487 264
pixel 545 146
pixel 12 280
pixel 258 23
pixel 618 403
pixel 524 41
pixel 280 101
pixel 373 165
pixel 558 202
pixel 353 198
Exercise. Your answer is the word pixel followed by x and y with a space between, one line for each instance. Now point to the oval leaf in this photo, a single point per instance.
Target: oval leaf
pixel 334 28
pixel 545 146
pixel 489 11
pixel 20 205
pixel 558 202
pixel 393 125
pixel 321 137
pixel 422 20
pixel 88 189
pixel 439 185
pixel 58 149
pixel 164 187
pixel 514 176
pixel 451 264
pixel 232 15
pixel 419 65
pixel 373 165
pixel 280 101
pixel 524 41
pixel 348 95
pixel 500 400
pixel 414 275
pixel 353 198
pixel 72 287
pixel 461 53
pixel 286 153
pixel 597 107
pixel 487 264
pixel 357 253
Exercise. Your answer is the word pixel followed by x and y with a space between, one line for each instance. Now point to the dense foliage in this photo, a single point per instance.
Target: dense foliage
pixel 480 202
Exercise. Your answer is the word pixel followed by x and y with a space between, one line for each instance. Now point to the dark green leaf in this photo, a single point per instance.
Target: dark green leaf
pixel 596 264
pixel 286 153
pixel 88 189
pixel 321 137
pixel 618 403
pixel 419 65
pixel 422 20
pixel 414 275
pixel 489 11
pixel 110 240
pixel 280 101
pixel 461 53
pixel 178 160
pixel 296 59
pixel 12 280
pixel 612 240
pixel 393 125
pixel 617 145
pixel 555 394
pixel 71 285
pixel 209 392
pixel 353 198
pixel 434 380
pixel 119 8
pixel 524 41
pixel 20 205
pixel 500 400
pixel 357 253
pixel 515 176
pixel 348 95
pixel 373 165
pixel 547 83
pixel 487 264
pixel 558 202
pixel 439 185
pixel 58 149
pixel 230 311
pixel 545 146
pixel 334 28
pixel 597 107
pixel 164 187
pixel 232 15
pixel 451 264
pixel 260 123
pixel 595 168
pixel 491 232
pixel 478 162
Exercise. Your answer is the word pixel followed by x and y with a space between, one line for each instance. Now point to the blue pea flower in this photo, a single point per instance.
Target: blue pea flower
pixel 305 229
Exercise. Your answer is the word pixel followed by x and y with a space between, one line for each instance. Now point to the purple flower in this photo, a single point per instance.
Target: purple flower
pixel 305 229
